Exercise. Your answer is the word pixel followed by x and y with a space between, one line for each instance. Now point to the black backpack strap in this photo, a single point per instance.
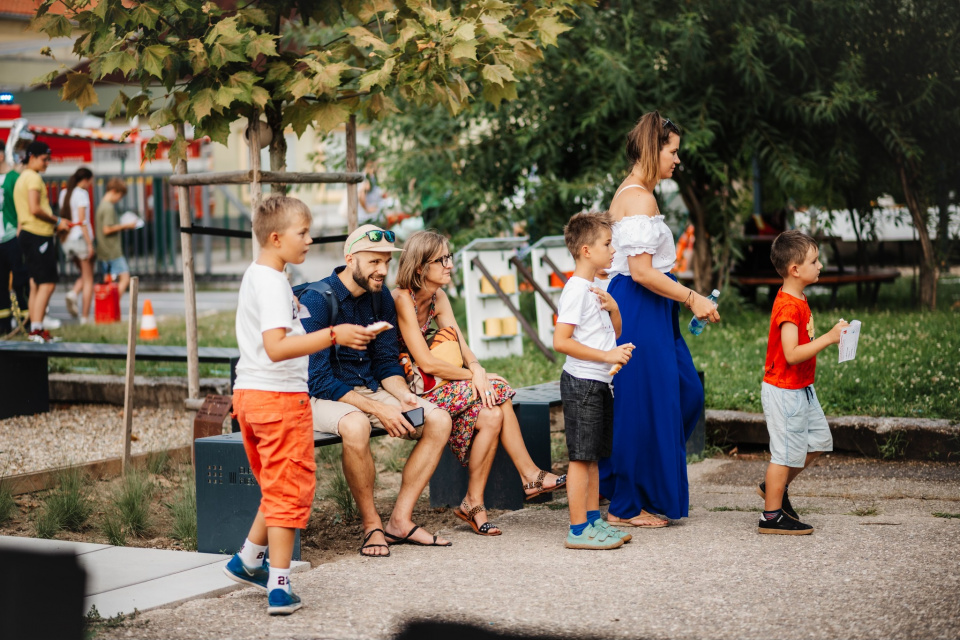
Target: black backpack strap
pixel 333 305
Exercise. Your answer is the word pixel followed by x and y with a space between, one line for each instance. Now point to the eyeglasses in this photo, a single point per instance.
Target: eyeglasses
pixel 669 126
pixel 445 261
pixel 375 235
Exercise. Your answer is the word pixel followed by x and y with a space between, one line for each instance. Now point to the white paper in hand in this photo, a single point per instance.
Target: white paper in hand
pixel 130 217
pixel 849 337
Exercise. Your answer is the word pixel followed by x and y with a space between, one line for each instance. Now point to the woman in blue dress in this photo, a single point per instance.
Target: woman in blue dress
pixel 657 395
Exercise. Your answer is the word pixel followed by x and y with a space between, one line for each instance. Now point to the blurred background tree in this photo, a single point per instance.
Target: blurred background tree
pixel 804 104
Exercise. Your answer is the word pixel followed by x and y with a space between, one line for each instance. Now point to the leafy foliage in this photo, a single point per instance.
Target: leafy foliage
pixel 823 97
pixel 315 62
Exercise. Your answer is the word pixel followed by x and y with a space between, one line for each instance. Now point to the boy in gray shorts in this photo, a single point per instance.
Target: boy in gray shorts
pixel 798 429
pixel 588 323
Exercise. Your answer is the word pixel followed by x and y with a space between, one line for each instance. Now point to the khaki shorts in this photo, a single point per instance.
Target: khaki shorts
pixel 328 413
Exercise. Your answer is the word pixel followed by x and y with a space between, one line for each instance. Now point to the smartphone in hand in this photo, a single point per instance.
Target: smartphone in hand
pixel 414 417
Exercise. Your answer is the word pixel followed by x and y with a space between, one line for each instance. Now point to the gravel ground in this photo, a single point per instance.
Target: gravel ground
pixel 74 434
pixel 893 574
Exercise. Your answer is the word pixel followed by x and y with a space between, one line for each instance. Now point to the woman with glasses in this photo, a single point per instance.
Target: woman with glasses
pixel 448 374
pixel 657 396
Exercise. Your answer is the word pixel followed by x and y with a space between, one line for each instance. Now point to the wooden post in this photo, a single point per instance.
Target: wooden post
pixel 256 187
pixel 352 200
pixel 189 283
pixel 128 387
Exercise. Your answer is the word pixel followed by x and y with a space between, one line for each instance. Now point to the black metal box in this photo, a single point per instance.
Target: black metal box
pixel 504 488
pixel 228 495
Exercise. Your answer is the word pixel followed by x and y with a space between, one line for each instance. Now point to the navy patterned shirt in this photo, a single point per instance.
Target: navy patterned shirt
pixel 336 371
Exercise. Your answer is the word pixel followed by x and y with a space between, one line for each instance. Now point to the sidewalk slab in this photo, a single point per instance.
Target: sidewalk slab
pixel 123 579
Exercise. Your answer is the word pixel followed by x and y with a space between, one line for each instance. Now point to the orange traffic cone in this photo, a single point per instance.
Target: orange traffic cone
pixel 148 323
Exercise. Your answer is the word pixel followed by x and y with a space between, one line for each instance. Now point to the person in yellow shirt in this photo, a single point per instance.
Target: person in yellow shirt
pixel 37 227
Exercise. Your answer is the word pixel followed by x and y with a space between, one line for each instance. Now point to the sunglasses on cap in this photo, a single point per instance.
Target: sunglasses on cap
pixel 375 235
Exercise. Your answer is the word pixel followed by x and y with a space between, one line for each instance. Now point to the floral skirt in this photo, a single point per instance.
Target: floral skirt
pixel 456 397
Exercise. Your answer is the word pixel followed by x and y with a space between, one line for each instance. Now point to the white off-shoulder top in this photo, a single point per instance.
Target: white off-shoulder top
pixel 634 235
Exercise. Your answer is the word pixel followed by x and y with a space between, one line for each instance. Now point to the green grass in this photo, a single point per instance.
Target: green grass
pixel 183 508
pixel 113 529
pixel 214 330
pixel 907 365
pixel 132 502
pixel 157 462
pixel 8 506
pixel 66 507
pixel 944 514
pixel 864 511
pixel 394 453
pixel 339 491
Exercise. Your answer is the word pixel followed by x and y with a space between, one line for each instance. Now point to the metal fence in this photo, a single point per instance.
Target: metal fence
pixel 153 252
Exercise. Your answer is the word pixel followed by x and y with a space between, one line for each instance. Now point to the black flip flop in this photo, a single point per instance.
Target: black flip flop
pixel 406 539
pixel 366 538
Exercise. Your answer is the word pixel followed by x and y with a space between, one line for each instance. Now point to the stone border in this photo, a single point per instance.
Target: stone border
pixel 47 479
pixel 899 438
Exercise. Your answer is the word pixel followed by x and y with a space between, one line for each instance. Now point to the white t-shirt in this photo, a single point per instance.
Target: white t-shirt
pixel 266 301
pixel 79 199
pixel 592 328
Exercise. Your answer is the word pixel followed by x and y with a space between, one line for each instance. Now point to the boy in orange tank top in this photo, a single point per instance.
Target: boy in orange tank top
pixel 795 421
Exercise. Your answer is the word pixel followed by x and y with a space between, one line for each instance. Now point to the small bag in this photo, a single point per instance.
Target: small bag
pixel 444 344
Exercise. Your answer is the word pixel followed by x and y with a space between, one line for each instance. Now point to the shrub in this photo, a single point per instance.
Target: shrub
pixel 132 503
pixel 8 506
pixel 157 462
pixel 66 507
pixel 184 512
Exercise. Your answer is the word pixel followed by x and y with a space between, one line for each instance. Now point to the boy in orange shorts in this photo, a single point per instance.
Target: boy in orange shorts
pixel 271 402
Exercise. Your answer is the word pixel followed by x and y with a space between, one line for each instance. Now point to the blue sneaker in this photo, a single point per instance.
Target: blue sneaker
pixel 612 530
pixel 238 572
pixel 593 538
pixel 281 603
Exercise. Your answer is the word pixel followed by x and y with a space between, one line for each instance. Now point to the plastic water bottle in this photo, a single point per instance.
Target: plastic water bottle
pixel 696 326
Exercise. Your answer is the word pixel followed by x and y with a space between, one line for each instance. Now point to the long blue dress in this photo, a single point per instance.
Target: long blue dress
pixel 657 399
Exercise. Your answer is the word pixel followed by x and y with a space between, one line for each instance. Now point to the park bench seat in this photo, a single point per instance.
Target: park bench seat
pixel 228 495
pixel 829 277
pixel 24 372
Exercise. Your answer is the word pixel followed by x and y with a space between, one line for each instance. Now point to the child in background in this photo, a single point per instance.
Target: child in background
pixel 588 324
pixel 798 429
pixel 271 402
pixel 109 246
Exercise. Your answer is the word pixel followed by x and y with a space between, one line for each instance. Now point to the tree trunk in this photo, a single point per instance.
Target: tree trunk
pixel 702 254
pixel 929 269
pixel 278 145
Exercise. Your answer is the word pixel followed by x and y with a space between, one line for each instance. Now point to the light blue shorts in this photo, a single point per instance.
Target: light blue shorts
pixel 796 424
pixel 114 267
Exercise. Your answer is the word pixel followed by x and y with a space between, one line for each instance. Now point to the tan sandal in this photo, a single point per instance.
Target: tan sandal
pixel 540 489
pixel 648 520
pixel 469 515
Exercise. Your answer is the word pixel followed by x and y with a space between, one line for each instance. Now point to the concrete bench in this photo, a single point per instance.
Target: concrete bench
pixel 228 495
pixel 24 372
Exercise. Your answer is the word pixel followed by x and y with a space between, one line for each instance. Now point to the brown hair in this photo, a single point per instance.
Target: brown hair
pixel 118 185
pixel 583 229
pixel 646 140
pixel 274 216
pixel 418 250
pixel 790 248
pixel 78 176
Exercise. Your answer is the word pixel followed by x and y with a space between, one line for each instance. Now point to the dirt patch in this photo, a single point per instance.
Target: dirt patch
pixel 329 536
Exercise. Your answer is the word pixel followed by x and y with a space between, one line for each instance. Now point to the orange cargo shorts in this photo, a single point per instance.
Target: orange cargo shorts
pixel 277 433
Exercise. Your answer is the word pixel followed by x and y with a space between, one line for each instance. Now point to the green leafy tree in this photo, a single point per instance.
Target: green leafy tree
pixel 302 63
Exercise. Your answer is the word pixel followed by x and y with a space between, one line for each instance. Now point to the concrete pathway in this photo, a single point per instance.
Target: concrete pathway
pixel 893 572
pixel 122 579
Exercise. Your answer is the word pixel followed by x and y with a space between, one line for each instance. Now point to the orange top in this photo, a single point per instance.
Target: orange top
pixel 777 372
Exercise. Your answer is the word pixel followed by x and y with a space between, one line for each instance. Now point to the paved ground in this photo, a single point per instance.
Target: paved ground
pixel 123 579
pixel 893 574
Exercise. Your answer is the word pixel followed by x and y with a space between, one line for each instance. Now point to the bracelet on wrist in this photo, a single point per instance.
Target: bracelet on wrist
pixel 688 303
pixel 333 337
pixel 472 362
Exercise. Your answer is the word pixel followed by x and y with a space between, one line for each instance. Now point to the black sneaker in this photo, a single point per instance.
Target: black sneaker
pixel 784 526
pixel 785 505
